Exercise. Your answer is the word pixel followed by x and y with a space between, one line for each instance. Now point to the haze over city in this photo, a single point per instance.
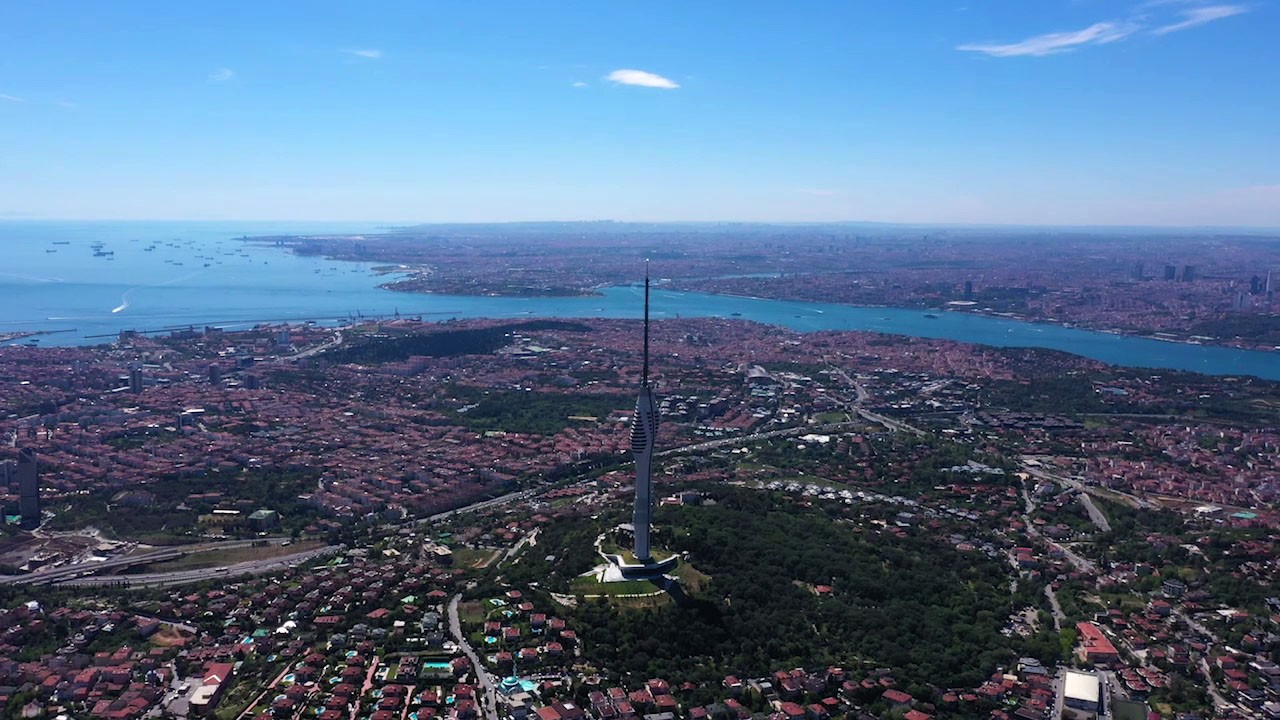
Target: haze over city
pixel 1048 113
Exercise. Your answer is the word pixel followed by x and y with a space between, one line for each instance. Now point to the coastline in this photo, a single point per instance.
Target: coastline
pixel 415 280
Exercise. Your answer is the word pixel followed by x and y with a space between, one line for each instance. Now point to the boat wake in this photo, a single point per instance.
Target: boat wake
pixel 124 302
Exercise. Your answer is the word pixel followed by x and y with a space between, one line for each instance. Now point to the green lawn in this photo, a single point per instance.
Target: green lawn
pixel 471 557
pixel 471 613
pixel 690 577
pixel 588 585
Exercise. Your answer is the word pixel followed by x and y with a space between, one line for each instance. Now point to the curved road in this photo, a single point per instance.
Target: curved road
pixel 489 704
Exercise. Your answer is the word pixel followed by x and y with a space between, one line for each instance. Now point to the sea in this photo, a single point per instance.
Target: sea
pixel 81 283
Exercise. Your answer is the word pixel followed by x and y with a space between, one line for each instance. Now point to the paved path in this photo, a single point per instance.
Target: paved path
pixel 1099 520
pixel 248 709
pixel 530 539
pixel 1219 702
pixel 1058 616
pixel 489 699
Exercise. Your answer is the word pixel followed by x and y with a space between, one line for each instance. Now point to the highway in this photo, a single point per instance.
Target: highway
pixel 1076 484
pixel 335 342
pixel 784 432
pixel 179 577
pixel 861 396
pixel 55 575
pixel 1080 563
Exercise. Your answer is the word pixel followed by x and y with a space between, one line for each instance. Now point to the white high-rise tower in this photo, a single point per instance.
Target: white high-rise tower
pixel 644 430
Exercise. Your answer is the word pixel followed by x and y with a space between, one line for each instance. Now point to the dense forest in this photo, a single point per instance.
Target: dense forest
pixel 444 343
pixel 931 613
pixel 537 413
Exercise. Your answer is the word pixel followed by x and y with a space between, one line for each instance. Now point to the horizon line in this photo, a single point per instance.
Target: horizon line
pixel 765 223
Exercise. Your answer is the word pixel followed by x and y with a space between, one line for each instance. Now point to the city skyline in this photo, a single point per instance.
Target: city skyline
pixel 1068 113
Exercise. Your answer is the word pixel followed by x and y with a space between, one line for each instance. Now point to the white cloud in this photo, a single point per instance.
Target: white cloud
pixel 1192 13
pixel 579 84
pixel 1051 43
pixel 11 98
pixel 221 75
pixel 366 53
pixel 641 79
pixel 67 104
pixel 1199 16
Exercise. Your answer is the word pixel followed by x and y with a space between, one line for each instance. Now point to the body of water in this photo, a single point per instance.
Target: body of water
pixel 88 281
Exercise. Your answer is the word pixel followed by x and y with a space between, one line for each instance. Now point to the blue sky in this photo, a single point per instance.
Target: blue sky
pixel 971 111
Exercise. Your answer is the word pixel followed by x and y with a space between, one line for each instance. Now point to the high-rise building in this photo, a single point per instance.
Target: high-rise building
pixel 1170 272
pixel 135 379
pixel 215 374
pixel 28 488
pixel 644 430
pixel 1188 273
pixel 968 289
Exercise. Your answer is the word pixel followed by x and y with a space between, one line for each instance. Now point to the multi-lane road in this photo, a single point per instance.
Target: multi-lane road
pixel 91 574
pixel 180 577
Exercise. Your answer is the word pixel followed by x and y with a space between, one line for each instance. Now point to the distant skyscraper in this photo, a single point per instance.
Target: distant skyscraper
pixel 644 430
pixel 1170 272
pixel 1188 273
pixel 8 473
pixel 215 374
pixel 1136 272
pixel 28 488
pixel 968 289
pixel 135 379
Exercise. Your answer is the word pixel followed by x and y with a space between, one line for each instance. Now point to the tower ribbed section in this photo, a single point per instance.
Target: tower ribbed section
pixel 644 429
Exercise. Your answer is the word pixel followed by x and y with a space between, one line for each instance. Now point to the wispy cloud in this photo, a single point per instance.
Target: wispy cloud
pixel 1188 14
pixel 579 84
pixel 641 78
pixel 1199 16
pixel 66 104
pixel 221 75
pixel 12 98
pixel 366 53
pixel 1052 43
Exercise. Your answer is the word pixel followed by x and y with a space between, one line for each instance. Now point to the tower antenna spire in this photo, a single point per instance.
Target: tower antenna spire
pixel 645 375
